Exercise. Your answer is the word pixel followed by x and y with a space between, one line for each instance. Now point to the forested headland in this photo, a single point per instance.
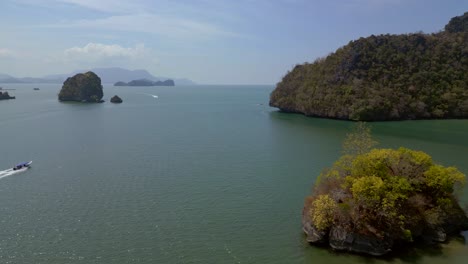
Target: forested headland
pixel 384 77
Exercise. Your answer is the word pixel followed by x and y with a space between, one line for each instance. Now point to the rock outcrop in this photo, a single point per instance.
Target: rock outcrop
pixel 5 96
pixel 83 87
pixel 116 99
pixel 345 238
pixel 340 238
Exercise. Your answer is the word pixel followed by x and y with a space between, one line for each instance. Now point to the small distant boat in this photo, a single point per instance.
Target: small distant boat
pixel 36 89
pixel 23 166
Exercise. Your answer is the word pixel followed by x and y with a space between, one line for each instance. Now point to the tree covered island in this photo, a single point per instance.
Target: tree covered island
pixel 385 77
pixel 374 201
pixel 82 87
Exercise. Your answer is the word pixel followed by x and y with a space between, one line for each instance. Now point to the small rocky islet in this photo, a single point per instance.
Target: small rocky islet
pixel 84 88
pixel 377 201
pixel 6 96
pixel 116 99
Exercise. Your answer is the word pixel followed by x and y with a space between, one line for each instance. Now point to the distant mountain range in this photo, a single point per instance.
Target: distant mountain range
pixel 107 75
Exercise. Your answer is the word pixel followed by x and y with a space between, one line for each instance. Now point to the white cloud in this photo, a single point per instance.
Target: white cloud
pixel 108 6
pixel 376 3
pixel 94 55
pixel 193 20
pixel 165 26
pixel 98 51
pixel 6 53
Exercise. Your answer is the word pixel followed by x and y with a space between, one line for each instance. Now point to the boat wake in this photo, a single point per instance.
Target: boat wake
pixel 15 170
pixel 5 171
pixel 9 172
pixel 153 95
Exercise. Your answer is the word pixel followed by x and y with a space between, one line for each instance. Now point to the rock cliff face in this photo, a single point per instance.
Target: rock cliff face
pixel 385 77
pixel 83 87
pixel 341 238
pixel 345 238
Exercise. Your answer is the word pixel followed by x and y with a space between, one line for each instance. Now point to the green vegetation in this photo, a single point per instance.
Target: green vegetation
pixel 83 87
pixel 359 141
pixel 385 77
pixel 458 24
pixel 386 194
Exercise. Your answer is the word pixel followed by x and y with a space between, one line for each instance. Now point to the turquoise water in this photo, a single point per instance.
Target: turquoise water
pixel 205 174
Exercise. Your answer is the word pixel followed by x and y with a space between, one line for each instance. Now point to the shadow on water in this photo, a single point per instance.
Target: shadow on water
pixel 338 127
pixel 442 131
pixel 415 255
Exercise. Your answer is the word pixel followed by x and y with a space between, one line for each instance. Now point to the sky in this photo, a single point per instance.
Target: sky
pixel 207 41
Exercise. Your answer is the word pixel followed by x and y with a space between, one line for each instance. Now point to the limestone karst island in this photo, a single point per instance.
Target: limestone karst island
pixel 116 99
pixel 83 87
pixel 385 77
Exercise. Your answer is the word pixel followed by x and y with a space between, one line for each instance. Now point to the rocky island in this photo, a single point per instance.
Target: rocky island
pixel 385 77
pixel 116 99
pixel 83 87
pixel 375 201
pixel 5 96
pixel 146 82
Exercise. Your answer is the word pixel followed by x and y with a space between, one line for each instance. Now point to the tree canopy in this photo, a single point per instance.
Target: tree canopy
pixel 458 24
pixel 395 194
pixel 385 77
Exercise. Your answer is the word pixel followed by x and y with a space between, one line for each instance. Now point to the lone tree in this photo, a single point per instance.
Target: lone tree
pixel 373 199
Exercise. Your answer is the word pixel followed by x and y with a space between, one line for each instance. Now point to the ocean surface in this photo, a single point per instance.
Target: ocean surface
pixel 202 174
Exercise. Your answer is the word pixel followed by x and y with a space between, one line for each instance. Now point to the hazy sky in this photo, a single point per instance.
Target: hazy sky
pixel 208 41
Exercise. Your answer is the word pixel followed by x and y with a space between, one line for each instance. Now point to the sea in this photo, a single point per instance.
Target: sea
pixel 184 174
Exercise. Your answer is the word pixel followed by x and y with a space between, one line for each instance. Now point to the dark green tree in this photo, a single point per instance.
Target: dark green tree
pixel 458 24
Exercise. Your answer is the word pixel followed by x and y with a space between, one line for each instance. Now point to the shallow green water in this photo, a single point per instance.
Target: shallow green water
pixel 206 174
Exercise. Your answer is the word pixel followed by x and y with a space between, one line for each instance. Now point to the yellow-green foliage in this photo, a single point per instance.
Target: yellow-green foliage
pixel 359 141
pixel 369 189
pixel 322 211
pixel 442 179
pixel 416 157
pixel 376 187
